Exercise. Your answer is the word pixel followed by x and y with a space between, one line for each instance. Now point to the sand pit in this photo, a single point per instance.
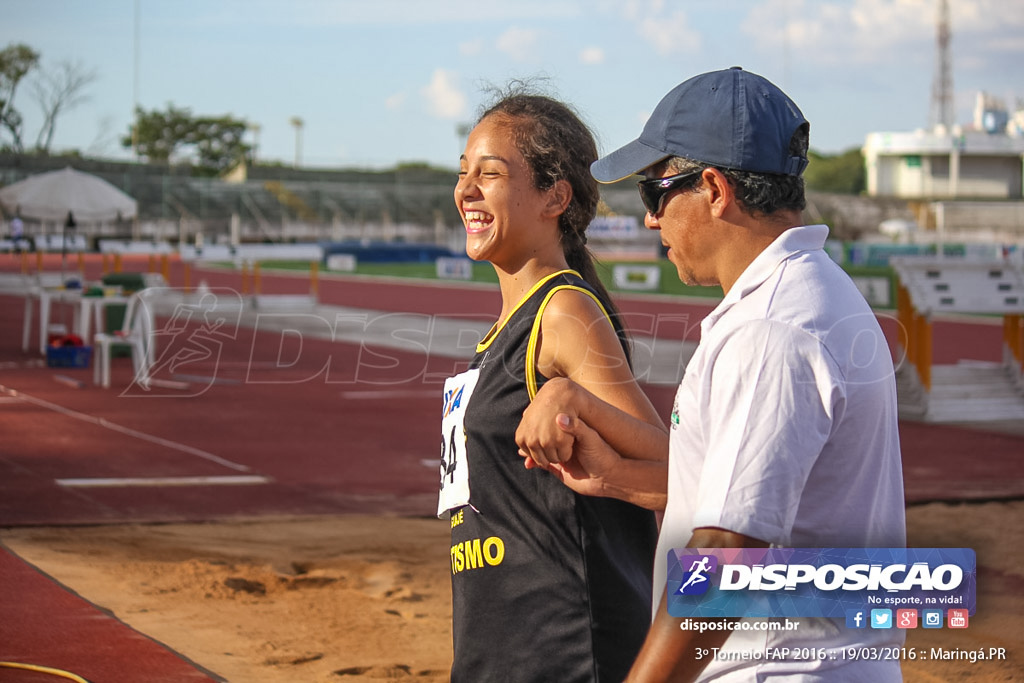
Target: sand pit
pixel 368 598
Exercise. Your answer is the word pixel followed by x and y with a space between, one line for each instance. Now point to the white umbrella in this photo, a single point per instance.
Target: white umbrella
pixel 67 196
pixel 54 195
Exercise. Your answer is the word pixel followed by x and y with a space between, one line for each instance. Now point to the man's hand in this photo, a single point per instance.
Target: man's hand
pixel 592 458
pixel 594 447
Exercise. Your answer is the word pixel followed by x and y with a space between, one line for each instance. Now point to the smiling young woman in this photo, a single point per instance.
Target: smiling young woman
pixel 547 584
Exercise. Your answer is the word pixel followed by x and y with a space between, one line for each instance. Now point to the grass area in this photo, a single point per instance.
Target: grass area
pixel 668 282
pixel 484 272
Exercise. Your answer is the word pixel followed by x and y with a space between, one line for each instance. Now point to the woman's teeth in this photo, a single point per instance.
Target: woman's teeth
pixel 477 220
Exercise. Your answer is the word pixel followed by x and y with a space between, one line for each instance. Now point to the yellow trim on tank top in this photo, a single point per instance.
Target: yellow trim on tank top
pixel 496 328
pixel 531 348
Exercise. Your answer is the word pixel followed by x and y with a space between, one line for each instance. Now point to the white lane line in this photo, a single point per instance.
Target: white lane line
pixel 240 480
pixel 392 393
pixel 167 443
pixel 203 379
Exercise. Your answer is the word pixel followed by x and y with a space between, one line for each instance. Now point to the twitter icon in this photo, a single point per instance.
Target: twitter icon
pixel 881 618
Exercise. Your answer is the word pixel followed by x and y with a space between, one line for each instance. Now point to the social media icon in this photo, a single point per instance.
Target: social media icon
pixel 881 618
pixel 856 618
pixel 957 618
pixel 906 618
pixel 931 618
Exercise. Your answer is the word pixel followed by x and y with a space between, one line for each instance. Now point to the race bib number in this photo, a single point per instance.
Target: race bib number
pixel 454 492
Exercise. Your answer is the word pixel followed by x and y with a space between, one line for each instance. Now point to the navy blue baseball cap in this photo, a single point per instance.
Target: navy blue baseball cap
pixel 729 119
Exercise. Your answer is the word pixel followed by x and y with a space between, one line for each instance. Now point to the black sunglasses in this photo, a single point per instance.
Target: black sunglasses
pixel 654 190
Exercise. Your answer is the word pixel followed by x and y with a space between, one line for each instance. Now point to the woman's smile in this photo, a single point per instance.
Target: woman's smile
pixel 478 221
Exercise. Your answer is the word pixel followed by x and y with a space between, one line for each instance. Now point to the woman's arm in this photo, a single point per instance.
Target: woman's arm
pixel 592 382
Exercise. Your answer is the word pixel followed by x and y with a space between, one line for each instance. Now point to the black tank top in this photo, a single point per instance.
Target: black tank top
pixel 547 585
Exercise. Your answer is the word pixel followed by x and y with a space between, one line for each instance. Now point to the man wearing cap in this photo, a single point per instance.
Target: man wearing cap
pixel 784 428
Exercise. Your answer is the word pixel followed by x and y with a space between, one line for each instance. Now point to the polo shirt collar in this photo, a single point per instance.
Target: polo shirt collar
pixel 786 245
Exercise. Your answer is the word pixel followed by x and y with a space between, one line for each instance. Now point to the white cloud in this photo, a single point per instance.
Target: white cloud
pixel 668 34
pixel 857 32
pixel 444 98
pixel 883 33
pixel 987 15
pixel 395 101
pixel 634 10
pixel 519 43
pixel 471 48
pixel 387 12
pixel 592 55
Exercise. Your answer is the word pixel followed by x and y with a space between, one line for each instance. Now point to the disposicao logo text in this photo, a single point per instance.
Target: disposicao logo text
pixel 769 582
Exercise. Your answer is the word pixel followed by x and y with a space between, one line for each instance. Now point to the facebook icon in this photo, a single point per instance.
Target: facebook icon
pixel 855 618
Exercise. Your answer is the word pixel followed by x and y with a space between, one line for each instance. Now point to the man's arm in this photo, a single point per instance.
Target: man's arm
pixel 670 653
pixel 595 469
pixel 541 438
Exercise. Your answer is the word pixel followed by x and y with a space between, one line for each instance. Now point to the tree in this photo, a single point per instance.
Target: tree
pixel 214 143
pixel 158 134
pixel 16 60
pixel 842 173
pixel 56 92
pixel 218 142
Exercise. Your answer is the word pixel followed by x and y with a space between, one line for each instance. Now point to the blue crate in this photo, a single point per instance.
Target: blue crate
pixel 68 356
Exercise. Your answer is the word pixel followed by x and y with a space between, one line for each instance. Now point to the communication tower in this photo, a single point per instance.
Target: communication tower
pixel 942 111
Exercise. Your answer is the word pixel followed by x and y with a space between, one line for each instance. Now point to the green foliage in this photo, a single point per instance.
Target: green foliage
pixel 16 60
pixel 840 173
pixel 215 143
pixel 159 134
pixel 218 141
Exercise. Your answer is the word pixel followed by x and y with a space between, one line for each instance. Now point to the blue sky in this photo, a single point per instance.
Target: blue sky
pixel 378 82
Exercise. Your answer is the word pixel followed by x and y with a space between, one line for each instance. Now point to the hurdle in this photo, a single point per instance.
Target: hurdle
pixel 931 286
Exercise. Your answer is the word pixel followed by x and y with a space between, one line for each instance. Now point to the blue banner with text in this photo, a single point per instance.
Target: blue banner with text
pixel 817 582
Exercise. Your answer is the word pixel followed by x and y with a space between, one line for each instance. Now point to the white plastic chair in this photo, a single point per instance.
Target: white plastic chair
pixel 137 332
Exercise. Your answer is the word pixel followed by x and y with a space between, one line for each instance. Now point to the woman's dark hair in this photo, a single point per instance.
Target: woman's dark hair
pixel 557 145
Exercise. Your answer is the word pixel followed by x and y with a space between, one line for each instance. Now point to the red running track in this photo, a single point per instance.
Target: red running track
pixel 279 430
pixel 329 427
pixel 42 623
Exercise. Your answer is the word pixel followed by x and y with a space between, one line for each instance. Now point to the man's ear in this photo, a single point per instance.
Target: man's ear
pixel 720 192
pixel 559 196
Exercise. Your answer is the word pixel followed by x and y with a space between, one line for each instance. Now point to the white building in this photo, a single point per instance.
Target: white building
pixel 980 161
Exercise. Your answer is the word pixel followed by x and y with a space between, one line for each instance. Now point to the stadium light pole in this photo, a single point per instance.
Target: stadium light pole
pixel 255 128
pixel 135 83
pixel 297 122
pixel 462 130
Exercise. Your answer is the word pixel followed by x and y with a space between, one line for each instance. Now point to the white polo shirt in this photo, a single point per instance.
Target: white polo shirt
pixel 784 428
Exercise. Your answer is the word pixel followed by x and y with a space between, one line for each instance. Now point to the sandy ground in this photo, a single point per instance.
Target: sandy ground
pixel 368 598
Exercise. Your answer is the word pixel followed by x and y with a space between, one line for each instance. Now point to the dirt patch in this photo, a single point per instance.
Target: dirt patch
pixel 368 598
